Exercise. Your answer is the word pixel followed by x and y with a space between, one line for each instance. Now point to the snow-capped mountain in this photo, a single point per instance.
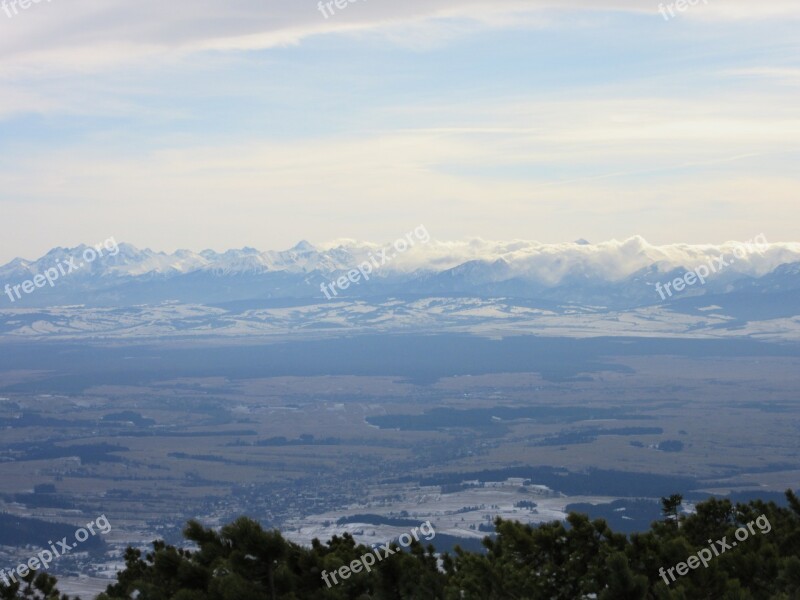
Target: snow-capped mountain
pixel 613 274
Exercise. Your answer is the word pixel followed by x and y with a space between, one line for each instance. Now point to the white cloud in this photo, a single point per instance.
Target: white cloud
pixel 609 260
pixel 576 164
pixel 562 162
pixel 781 75
pixel 88 34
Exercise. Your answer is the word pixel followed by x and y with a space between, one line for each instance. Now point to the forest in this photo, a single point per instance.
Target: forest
pixel 721 550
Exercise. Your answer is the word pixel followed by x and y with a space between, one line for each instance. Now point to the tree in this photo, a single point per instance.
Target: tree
pixel 36 586
pixel 578 558
pixel 670 508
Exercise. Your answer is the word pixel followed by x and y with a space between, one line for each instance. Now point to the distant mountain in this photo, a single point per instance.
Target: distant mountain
pixel 610 275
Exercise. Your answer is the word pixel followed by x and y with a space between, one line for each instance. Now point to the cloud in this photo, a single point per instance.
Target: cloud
pixel 597 167
pixel 610 260
pixel 92 34
pixel 147 110
pixel 782 75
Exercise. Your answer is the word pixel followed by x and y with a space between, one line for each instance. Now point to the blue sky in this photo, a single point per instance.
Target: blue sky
pixel 262 123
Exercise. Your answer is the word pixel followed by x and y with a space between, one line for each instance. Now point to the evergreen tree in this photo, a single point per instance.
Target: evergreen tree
pixel 576 559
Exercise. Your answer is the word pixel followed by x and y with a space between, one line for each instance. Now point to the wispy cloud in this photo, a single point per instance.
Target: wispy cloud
pixel 89 34
pixel 780 75
pixel 518 118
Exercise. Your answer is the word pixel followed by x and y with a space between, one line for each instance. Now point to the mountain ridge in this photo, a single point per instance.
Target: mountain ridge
pixel 614 274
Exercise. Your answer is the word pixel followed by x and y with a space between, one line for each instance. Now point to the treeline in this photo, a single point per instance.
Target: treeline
pixel 18 531
pixel 578 559
pixel 590 482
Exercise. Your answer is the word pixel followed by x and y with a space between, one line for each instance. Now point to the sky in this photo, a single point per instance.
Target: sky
pixel 199 124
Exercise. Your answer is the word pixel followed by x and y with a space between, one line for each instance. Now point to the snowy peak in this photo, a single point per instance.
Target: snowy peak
pixel 612 273
pixel 546 263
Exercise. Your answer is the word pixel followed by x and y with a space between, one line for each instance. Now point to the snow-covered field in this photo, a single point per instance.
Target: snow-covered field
pixel 458 514
pixel 488 317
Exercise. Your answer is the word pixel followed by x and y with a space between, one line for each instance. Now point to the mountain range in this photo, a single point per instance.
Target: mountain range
pixel 577 289
pixel 613 275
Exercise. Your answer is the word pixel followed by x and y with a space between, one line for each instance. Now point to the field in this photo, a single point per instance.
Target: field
pixel 488 425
